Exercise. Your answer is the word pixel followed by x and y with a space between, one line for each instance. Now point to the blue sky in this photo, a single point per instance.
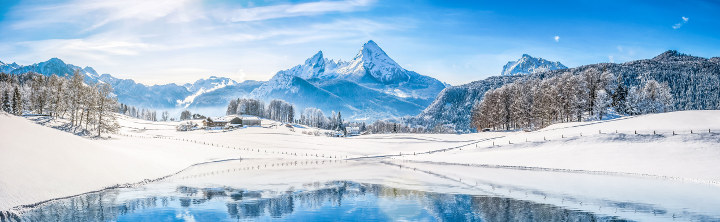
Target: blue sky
pixel 457 42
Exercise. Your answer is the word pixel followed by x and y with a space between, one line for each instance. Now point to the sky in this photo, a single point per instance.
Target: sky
pixel 179 41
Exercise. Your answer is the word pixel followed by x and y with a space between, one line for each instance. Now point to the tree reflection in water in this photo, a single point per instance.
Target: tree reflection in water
pixel 339 200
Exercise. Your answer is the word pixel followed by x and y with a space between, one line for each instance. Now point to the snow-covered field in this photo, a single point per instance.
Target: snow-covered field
pixel 38 163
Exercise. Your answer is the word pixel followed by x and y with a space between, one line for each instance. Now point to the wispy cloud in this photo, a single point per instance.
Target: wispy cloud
pixel 95 14
pixel 681 23
pixel 295 10
pixel 557 38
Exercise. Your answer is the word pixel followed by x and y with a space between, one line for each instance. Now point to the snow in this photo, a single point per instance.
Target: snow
pixel 41 163
pixel 596 147
pixel 528 65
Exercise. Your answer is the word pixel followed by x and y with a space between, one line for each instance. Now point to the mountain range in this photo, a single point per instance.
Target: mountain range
pixel 370 86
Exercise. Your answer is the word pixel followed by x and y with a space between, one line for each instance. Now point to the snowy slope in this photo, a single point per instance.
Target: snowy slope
pixel 661 145
pixel 528 65
pixel 203 86
pixel 62 164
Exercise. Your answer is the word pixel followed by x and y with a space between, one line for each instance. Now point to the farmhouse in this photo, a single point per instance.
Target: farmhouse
pixel 215 122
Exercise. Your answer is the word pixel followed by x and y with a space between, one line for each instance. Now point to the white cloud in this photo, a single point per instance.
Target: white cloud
pixel 557 38
pixel 681 23
pixel 611 59
pixel 295 10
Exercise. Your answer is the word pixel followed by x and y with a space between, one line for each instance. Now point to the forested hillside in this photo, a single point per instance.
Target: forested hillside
pixel 693 82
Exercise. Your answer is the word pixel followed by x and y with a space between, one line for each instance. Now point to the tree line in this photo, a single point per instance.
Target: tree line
pixel 87 107
pixel 142 113
pixel 278 110
pixel 532 102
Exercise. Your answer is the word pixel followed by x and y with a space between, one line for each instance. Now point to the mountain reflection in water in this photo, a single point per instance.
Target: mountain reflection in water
pixel 331 201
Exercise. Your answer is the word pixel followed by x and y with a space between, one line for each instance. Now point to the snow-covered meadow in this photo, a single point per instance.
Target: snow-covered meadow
pixel 39 163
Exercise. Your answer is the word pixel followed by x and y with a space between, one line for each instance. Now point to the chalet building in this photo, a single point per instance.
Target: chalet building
pixel 215 122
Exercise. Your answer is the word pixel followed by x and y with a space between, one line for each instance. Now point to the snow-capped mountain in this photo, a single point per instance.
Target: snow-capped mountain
pixel 373 61
pixel 373 68
pixel 528 65
pixel 370 75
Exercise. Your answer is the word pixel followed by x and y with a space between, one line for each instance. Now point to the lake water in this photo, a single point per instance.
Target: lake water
pixel 301 190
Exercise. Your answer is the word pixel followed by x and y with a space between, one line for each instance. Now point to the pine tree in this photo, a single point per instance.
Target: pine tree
pixel 6 103
pixel 17 105
pixel 619 97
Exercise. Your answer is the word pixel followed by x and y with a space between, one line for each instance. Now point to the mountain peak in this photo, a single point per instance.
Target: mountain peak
pixel 373 60
pixel 55 61
pixel 315 60
pixel 528 64
pixel 674 55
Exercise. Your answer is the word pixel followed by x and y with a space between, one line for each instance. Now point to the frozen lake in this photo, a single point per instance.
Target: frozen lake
pixel 371 190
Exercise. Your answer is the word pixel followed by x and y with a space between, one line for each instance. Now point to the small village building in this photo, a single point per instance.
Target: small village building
pixel 235 120
pixel 248 120
pixel 215 122
pixel 353 130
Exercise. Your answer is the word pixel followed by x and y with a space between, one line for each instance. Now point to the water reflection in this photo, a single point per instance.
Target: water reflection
pixel 331 201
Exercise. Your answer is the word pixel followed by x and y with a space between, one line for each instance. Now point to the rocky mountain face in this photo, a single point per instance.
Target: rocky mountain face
pixel 529 65
pixel 694 83
pixel 370 86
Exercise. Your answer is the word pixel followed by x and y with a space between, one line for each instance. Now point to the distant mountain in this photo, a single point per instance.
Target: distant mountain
pixel 694 83
pixel 370 86
pixel 7 68
pixel 221 96
pixel 528 65
pixel 213 91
